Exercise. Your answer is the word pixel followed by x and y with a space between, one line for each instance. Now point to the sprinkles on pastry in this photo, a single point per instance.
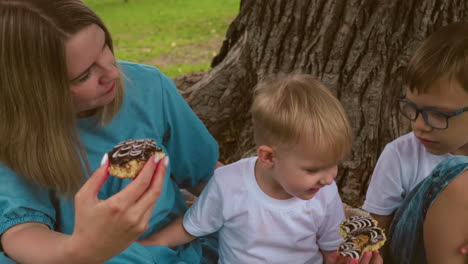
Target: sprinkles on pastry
pixel 361 234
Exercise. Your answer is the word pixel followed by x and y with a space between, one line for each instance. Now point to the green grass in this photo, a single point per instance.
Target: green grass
pixel 177 36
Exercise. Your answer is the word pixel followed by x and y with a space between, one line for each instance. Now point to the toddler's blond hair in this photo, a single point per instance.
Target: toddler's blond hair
pixel 298 109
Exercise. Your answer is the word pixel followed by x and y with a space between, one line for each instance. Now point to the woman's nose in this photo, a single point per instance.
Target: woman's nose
pixel 110 73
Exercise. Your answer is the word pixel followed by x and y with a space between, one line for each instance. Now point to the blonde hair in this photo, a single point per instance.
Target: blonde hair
pixel 296 109
pixel 443 54
pixel 38 133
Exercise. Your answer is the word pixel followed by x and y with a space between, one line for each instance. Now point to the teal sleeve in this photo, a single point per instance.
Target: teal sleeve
pixel 137 253
pixel 5 260
pixel 22 201
pixel 192 150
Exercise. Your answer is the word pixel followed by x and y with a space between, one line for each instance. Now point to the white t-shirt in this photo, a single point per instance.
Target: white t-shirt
pixel 402 165
pixel 255 228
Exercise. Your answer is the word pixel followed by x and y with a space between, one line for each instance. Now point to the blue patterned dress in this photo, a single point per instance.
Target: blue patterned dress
pixel 406 230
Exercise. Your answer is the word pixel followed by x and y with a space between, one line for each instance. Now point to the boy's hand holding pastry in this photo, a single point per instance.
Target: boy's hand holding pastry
pixel 366 258
pixel 363 238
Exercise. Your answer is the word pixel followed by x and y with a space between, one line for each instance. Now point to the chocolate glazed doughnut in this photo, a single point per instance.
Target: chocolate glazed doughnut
pixel 361 234
pixel 128 157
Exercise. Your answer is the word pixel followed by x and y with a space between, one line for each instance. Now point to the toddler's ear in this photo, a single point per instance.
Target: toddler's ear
pixel 265 156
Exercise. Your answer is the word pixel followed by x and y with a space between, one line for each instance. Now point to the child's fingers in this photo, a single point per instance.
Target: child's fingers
pixel 371 258
pixel 366 257
pixel 376 258
pixel 464 250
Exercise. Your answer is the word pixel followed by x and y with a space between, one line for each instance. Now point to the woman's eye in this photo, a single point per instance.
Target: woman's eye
pixel 88 74
pixel 85 78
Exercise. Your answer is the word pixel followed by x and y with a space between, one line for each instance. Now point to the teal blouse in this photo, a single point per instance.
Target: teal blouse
pixel 152 108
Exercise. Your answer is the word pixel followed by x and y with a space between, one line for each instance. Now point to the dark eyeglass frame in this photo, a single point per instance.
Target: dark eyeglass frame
pixel 423 111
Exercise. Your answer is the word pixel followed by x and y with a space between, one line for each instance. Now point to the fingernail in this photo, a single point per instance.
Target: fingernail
pixel 166 161
pixel 156 159
pixel 104 159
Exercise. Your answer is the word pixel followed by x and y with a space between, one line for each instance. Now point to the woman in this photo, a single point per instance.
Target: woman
pixel 63 106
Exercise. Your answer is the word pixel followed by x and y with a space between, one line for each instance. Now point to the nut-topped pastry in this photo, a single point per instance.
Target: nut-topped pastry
pixel 361 234
pixel 128 157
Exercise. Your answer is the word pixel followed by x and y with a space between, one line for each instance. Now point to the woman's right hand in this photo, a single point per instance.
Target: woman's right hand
pixel 104 228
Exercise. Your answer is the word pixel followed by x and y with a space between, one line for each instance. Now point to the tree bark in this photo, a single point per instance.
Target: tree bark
pixel 357 48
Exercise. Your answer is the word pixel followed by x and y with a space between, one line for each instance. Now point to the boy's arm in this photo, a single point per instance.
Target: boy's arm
pixel 445 229
pixel 173 235
pixel 385 192
pixel 384 223
pixel 384 220
pixel 203 217
pixel 329 257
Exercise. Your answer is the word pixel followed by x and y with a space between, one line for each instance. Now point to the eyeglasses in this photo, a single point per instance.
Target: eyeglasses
pixel 433 118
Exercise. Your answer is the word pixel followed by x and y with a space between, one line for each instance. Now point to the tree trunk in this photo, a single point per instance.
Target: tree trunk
pixel 357 48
